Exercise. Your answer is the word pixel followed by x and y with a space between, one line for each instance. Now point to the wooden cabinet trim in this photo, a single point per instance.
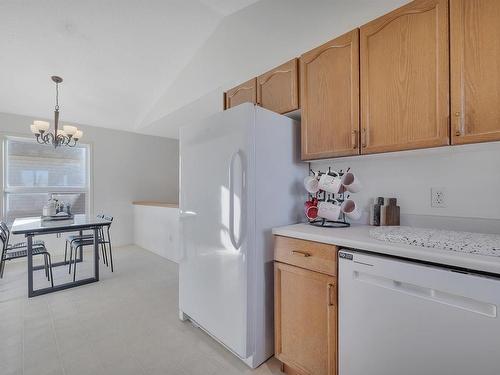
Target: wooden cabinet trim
pixel 350 39
pixel 323 50
pixel 405 10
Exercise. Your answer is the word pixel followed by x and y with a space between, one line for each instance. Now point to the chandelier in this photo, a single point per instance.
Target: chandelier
pixel 67 136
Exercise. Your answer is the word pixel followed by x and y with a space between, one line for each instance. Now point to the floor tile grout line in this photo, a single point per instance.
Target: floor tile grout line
pixel 23 339
pixel 59 356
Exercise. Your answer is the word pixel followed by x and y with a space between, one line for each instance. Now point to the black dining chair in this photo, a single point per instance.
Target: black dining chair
pixel 75 237
pixel 103 239
pixel 20 250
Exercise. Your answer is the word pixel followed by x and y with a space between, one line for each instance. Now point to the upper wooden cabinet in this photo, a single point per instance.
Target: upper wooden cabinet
pixel 329 86
pixel 246 92
pixel 278 89
pixel 475 70
pixel 405 78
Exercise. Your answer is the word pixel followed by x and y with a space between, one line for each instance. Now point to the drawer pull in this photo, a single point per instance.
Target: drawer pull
pixel 330 288
pixel 301 253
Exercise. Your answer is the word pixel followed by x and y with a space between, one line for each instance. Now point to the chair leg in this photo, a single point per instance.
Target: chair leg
pixel 45 260
pixel 74 267
pixel 111 256
pixel 65 251
pixel 70 257
pixel 2 267
pixel 104 255
pixel 50 269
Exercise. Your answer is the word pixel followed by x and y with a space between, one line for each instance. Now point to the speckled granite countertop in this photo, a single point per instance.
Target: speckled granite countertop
pixel 462 242
pixel 358 237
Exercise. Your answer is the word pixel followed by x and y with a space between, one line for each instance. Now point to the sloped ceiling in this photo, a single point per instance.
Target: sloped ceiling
pixel 152 66
pixel 117 57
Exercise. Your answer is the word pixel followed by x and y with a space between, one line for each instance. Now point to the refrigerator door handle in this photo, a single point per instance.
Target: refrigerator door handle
pixel 232 235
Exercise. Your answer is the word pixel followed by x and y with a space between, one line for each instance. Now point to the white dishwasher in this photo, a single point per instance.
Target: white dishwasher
pixel 399 317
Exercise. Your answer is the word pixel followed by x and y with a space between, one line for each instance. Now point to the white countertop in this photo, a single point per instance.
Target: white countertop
pixel 156 204
pixel 358 237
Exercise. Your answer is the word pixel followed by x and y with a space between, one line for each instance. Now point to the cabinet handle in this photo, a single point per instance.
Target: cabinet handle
pixel 354 139
pixel 330 288
pixel 364 137
pixel 301 253
pixel 458 126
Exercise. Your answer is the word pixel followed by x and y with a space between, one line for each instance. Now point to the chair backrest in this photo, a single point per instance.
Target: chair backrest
pixel 108 226
pixel 4 237
pixel 107 218
pixel 5 232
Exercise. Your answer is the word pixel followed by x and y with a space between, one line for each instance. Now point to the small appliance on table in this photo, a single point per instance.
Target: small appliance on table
pixel 55 211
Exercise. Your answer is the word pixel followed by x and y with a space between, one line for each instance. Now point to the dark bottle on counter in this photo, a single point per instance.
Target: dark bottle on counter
pixel 375 211
pixel 390 212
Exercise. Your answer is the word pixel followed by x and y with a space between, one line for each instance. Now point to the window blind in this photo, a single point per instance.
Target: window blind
pixel 34 173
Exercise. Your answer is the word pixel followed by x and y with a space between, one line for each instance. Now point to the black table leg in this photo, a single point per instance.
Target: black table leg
pixel 96 253
pixel 30 265
pixel 81 248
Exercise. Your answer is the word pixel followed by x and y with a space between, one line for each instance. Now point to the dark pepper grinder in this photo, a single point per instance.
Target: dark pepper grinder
pixel 390 212
pixel 375 211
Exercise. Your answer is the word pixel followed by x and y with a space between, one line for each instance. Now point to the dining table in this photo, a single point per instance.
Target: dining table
pixel 31 227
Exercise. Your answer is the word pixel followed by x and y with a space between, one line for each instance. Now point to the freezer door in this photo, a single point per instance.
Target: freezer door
pixel 398 317
pixel 216 238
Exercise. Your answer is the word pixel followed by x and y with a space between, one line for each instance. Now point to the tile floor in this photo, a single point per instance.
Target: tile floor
pixel 125 324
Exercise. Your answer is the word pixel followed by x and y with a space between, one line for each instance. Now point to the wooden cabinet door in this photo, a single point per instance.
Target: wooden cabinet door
pixel 246 92
pixel 305 320
pixel 278 89
pixel 475 70
pixel 404 78
pixel 329 97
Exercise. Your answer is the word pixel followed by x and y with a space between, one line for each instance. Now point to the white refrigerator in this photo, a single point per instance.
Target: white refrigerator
pixel 240 176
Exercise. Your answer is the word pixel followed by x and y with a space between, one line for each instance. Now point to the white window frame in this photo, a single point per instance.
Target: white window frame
pixel 88 189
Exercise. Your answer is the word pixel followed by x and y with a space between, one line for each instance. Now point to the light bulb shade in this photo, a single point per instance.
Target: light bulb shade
pixel 78 134
pixel 42 125
pixel 70 130
pixel 34 129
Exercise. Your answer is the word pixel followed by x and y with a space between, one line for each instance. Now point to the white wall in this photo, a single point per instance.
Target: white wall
pixel 469 174
pixel 250 42
pixel 126 167
pixel 157 229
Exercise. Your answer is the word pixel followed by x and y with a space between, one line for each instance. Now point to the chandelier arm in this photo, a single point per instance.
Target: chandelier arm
pixel 49 138
pixel 40 139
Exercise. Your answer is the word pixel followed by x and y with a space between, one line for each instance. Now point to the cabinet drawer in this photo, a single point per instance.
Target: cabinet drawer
pixel 311 255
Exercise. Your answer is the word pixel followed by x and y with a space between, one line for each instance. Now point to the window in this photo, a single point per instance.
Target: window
pixel 34 173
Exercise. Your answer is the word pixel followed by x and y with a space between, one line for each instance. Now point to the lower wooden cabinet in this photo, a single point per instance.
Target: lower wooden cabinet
pixel 305 303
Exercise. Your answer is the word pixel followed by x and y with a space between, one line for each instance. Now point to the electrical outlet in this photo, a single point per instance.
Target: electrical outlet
pixel 438 197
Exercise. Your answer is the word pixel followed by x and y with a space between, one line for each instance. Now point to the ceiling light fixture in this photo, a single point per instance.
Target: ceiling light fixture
pixel 67 136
